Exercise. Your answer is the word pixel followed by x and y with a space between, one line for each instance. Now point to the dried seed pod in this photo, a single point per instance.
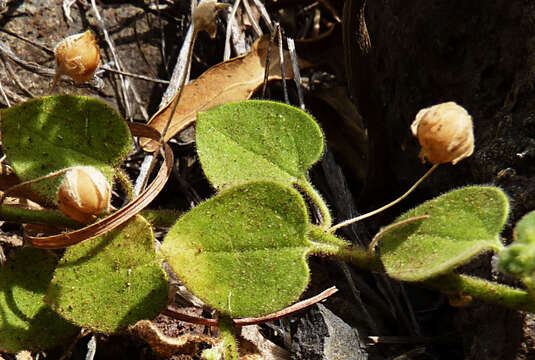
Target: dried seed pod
pixel 204 16
pixel 445 133
pixel 84 194
pixel 77 56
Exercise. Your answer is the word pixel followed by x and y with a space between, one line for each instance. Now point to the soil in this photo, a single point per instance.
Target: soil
pixel 421 52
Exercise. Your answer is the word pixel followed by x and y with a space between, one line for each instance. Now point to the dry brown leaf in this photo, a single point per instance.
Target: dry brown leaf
pixel 167 346
pixel 232 80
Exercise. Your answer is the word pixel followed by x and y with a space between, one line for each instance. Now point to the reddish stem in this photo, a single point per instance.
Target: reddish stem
pixel 290 310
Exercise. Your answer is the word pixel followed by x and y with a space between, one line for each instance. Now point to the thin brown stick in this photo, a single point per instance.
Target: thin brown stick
pixel 175 314
pixel 50 51
pixel 16 79
pixel 136 76
pixel 251 17
pixel 4 95
pixel 290 310
pixel 39 45
pixel 231 19
pixel 265 15
pixel 266 71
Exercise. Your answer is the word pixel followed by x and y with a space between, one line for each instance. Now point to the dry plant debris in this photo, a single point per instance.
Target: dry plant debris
pixel 232 80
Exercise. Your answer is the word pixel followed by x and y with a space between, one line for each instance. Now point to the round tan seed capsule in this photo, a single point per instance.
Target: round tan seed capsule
pixel 77 56
pixel 445 133
pixel 84 194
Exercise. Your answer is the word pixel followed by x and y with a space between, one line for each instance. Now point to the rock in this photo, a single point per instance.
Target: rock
pixel 321 335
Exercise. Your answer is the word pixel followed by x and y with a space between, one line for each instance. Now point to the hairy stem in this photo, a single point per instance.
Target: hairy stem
pixel 228 335
pixel 326 244
pixel 484 290
pixel 316 198
pixel 45 216
pixel 383 208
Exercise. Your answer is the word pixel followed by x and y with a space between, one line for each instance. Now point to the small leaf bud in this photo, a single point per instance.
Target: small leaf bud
pixel 204 16
pixel 84 194
pixel 77 56
pixel 445 133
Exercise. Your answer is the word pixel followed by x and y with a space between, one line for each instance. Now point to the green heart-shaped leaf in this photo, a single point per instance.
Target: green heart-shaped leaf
pixel 112 281
pixel 243 251
pixel 462 224
pixel 26 322
pixel 525 229
pixel 518 259
pixel 48 134
pixel 252 140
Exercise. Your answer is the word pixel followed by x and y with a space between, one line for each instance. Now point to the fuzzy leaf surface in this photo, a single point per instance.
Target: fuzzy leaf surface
pixel 257 139
pixel 518 258
pixel 243 251
pixel 231 80
pixel 525 229
pixel 51 133
pixel 462 224
pixel 26 322
pixel 112 281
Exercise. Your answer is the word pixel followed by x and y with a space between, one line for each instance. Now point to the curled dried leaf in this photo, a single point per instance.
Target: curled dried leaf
pixel 168 346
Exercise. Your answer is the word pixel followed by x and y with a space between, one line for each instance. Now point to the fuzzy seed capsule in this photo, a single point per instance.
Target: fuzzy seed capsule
pixel 84 194
pixel 445 133
pixel 77 56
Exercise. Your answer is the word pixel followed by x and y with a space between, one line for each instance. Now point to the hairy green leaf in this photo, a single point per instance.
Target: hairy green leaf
pixel 243 251
pixel 51 133
pixel 525 229
pixel 112 281
pixel 462 224
pixel 518 259
pixel 251 140
pixel 26 322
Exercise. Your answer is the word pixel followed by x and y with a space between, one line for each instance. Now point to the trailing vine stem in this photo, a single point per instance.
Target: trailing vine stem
pixel 50 217
pixel 326 244
pixel 317 199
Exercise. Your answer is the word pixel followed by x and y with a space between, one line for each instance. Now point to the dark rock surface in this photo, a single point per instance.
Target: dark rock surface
pixel 321 335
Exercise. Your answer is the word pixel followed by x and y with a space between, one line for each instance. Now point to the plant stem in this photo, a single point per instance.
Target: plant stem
pixel 484 290
pixel 376 211
pixel 124 180
pixel 316 198
pixel 45 216
pixel 326 244
pixel 227 330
